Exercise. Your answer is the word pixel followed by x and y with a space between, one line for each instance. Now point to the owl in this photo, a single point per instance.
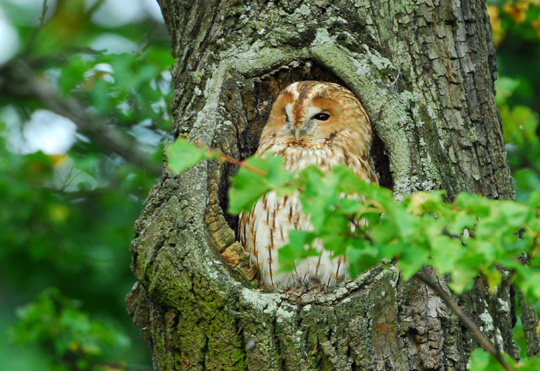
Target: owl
pixel 311 123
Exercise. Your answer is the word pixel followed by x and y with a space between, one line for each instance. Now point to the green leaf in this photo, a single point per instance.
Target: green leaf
pixel 534 199
pixel 404 223
pixel 318 194
pixel 462 279
pixel 526 180
pixel 504 219
pixel 296 250
pixel 347 182
pixel 519 124
pixel 480 360
pixel 525 364
pixel 72 74
pixel 493 278
pixel 361 256
pixel 101 96
pixel 458 221
pixel 412 260
pixel 58 323
pixel 474 204
pixel 527 278
pixel 391 251
pixel 182 155
pixel 384 232
pixel 484 361
pixel 505 87
pixel 248 186
pixel 421 202
pixel 445 252
pixel 350 206
pixel 334 232
pixel 278 179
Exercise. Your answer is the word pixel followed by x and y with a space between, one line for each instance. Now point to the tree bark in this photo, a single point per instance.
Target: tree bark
pixel 424 71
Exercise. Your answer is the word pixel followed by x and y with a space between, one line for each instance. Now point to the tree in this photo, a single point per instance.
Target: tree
pixel 424 73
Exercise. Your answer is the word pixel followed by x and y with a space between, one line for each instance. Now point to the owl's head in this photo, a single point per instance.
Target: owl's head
pixel 315 114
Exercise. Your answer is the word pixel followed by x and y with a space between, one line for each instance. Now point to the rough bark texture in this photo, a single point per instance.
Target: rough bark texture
pixel 424 71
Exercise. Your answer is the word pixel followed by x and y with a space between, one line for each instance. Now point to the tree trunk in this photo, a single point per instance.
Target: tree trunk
pixel 424 71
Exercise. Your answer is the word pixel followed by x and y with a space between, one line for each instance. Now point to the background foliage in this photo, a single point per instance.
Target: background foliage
pixel 69 207
pixel 516 34
pixel 69 197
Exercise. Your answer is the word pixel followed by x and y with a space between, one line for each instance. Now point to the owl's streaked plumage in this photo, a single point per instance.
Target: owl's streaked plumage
pixel 311 123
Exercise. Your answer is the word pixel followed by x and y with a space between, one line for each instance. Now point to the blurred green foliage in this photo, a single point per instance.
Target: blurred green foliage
pixel 74 341
pixel 67 218
pixel 516 33
pixel 520 125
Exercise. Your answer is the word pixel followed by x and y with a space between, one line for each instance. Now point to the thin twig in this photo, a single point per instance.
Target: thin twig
pixel 224 157
pixel 484 342
pixel 33 38
pixel 94 7
pixel 43 13
pixel 359 228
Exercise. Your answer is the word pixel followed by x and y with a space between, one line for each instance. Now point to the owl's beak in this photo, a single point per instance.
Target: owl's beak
pixel 297 134
pixel 300 128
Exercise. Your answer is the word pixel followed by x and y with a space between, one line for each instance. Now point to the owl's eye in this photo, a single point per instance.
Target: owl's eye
pixel 321 116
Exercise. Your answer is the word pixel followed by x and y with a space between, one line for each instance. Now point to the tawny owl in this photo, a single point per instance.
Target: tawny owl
pixel 311 123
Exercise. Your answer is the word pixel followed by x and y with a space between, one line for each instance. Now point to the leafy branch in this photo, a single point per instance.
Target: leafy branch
pixel 223 157
pixel 469 237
